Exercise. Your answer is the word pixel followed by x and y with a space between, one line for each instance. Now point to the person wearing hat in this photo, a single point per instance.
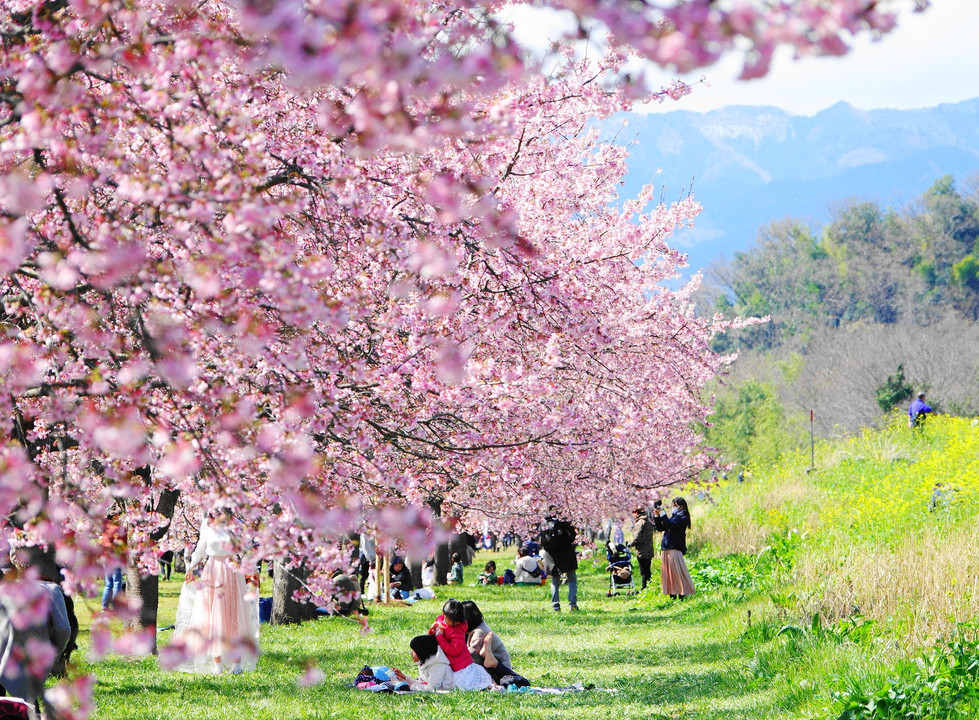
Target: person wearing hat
pixel 642 543
pixel 917 411
pixel 401 577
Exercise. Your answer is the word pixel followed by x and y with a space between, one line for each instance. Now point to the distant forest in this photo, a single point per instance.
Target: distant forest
pixel 876 304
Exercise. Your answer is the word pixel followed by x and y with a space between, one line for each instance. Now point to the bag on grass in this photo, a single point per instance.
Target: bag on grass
pixel 13 709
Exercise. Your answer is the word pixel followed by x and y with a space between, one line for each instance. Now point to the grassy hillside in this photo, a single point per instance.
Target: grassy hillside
pixel 887 520
pixel 882 558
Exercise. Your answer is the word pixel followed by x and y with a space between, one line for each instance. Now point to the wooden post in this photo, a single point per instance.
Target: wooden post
pixel 387 577
pixel 812 444
pixel 383 569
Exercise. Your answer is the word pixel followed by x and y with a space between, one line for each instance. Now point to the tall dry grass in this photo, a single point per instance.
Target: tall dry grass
pixel 917 591
pixel 752 512
pixel 871 546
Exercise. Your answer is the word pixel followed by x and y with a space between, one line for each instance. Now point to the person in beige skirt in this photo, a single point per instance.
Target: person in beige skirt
pixel 675 577
pixel 217 614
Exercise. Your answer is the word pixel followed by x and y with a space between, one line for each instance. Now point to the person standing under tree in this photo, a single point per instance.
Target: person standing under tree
pixel 675 576
pixel 114 541
pixel 214 617
pixel 642 542
pixel 917 411
pixel 557 537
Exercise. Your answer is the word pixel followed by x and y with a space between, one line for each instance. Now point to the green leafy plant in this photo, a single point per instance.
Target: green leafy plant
pixel 940 685
pixel 745 572
pixel 894 390
pixel 855 629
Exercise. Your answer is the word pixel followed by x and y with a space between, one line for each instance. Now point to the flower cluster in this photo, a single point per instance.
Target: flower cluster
pixel 332 266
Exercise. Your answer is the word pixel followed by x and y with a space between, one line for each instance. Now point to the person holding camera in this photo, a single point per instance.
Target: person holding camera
pixel 675 577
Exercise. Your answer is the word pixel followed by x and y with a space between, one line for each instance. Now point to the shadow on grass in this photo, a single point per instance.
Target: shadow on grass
pixel 661 659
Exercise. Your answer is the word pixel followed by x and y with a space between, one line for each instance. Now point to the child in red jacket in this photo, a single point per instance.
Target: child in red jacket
pixel 449 630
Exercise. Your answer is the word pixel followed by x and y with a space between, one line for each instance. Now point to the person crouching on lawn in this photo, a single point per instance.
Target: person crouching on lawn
pixel 449 630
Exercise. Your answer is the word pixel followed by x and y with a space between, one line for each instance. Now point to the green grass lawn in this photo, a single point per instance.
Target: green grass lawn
pixel 662 659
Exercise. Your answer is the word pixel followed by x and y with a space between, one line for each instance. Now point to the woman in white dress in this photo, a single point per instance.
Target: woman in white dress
pixel 217 615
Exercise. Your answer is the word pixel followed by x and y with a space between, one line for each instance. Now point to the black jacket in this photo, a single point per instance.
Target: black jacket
pixel 404 577
pixel 674 529
pixel 558 539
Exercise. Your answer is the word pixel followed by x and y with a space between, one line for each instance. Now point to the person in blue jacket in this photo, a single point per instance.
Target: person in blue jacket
pixel 674 575
pixel 917 411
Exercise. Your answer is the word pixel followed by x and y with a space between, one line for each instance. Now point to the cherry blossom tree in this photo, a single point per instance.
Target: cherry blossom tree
pixel 339 265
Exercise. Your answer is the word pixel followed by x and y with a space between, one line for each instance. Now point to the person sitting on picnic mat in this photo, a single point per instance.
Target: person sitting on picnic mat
pixel 488 650
pixel 489 576
pixel 434 671
pixel 449 630
pixel 528 571
pixel 401 577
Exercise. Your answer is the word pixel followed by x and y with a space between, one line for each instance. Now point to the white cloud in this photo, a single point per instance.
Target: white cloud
pixel 930 58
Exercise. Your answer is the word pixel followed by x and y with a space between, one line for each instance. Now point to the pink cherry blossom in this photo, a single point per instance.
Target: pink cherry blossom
pixel 340 267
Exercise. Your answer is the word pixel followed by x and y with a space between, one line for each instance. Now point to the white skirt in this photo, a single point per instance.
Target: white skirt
pixel 217 617
pixel 472 677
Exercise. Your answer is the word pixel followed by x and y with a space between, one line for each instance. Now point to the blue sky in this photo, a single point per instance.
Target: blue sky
pixel 930 58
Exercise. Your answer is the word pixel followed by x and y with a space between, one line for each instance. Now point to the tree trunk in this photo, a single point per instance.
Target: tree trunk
pixel 443 556
pixel 442 553
pixel 442 564
pixel 146 589
pixel 285 610
pixel 460 544
pixel 415 567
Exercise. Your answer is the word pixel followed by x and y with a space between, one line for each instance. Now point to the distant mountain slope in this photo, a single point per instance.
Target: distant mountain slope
pixel 751 165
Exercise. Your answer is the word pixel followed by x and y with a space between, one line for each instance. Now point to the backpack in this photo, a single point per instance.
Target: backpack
pixel 556 535
pixel 508 577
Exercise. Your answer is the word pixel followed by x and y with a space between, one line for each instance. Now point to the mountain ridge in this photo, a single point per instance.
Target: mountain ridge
pixel 750 165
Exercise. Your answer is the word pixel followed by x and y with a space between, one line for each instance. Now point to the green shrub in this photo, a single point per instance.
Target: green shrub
pixel 748 572
pixel 940 685
pixel 894 390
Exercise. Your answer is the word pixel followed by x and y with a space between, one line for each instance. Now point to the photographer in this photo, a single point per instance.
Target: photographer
pixel 675 577
pixel 558 538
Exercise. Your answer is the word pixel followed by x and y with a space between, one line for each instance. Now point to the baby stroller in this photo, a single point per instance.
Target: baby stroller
pixel 620 575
